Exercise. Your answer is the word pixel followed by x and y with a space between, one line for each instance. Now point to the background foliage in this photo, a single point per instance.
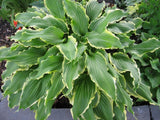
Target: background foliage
pixel 8 8
pixel 149 62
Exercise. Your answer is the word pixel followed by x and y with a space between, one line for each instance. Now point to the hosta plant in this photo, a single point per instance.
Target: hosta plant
pixel 148 33
pixel 79 50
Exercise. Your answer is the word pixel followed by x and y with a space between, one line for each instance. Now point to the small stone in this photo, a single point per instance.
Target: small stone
pixel 60 114
pixel 1 96
pixel 141 113
pixel 155 112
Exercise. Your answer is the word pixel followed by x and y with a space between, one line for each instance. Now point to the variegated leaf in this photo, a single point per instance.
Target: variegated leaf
pixel 104 53
pixel 119 114
pixel 45 105
pixel 84 91
pixel 89 114
pixel 96 99
pixel 34 90
pixel 27 16
pixel 50 35
pixel 77 13
pixel 4 52
pixel 26 57
pixel 17 82
pixel 55 7
pixel 43 111
pixel 104 110
pixel 52 51
pixel 34 106
pixel 80 50
pixel 11 53
pixel 56 87
pixel 97 69
pixel 144 59
pixel 38 22
pixel 71 71
pixel 138 22
pixel 104 40
pixel 6 83
pixel 123 63
pixel 124 98
pixel 16 53
pixel 100 24
pixel 94 9
pixel 147 46
pixel 125 40
pixel 146 36
pixel 69 48
pixel 51 63
pixel 34 43
pixel 14 99
pixel 10 68
pixel 144 91
pixel 121 27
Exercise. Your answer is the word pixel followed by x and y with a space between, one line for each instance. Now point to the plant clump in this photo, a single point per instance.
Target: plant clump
pixel 81 50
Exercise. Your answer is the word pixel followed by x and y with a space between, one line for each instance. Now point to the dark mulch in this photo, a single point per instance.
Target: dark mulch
pixel 5 32
pixel 61 102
